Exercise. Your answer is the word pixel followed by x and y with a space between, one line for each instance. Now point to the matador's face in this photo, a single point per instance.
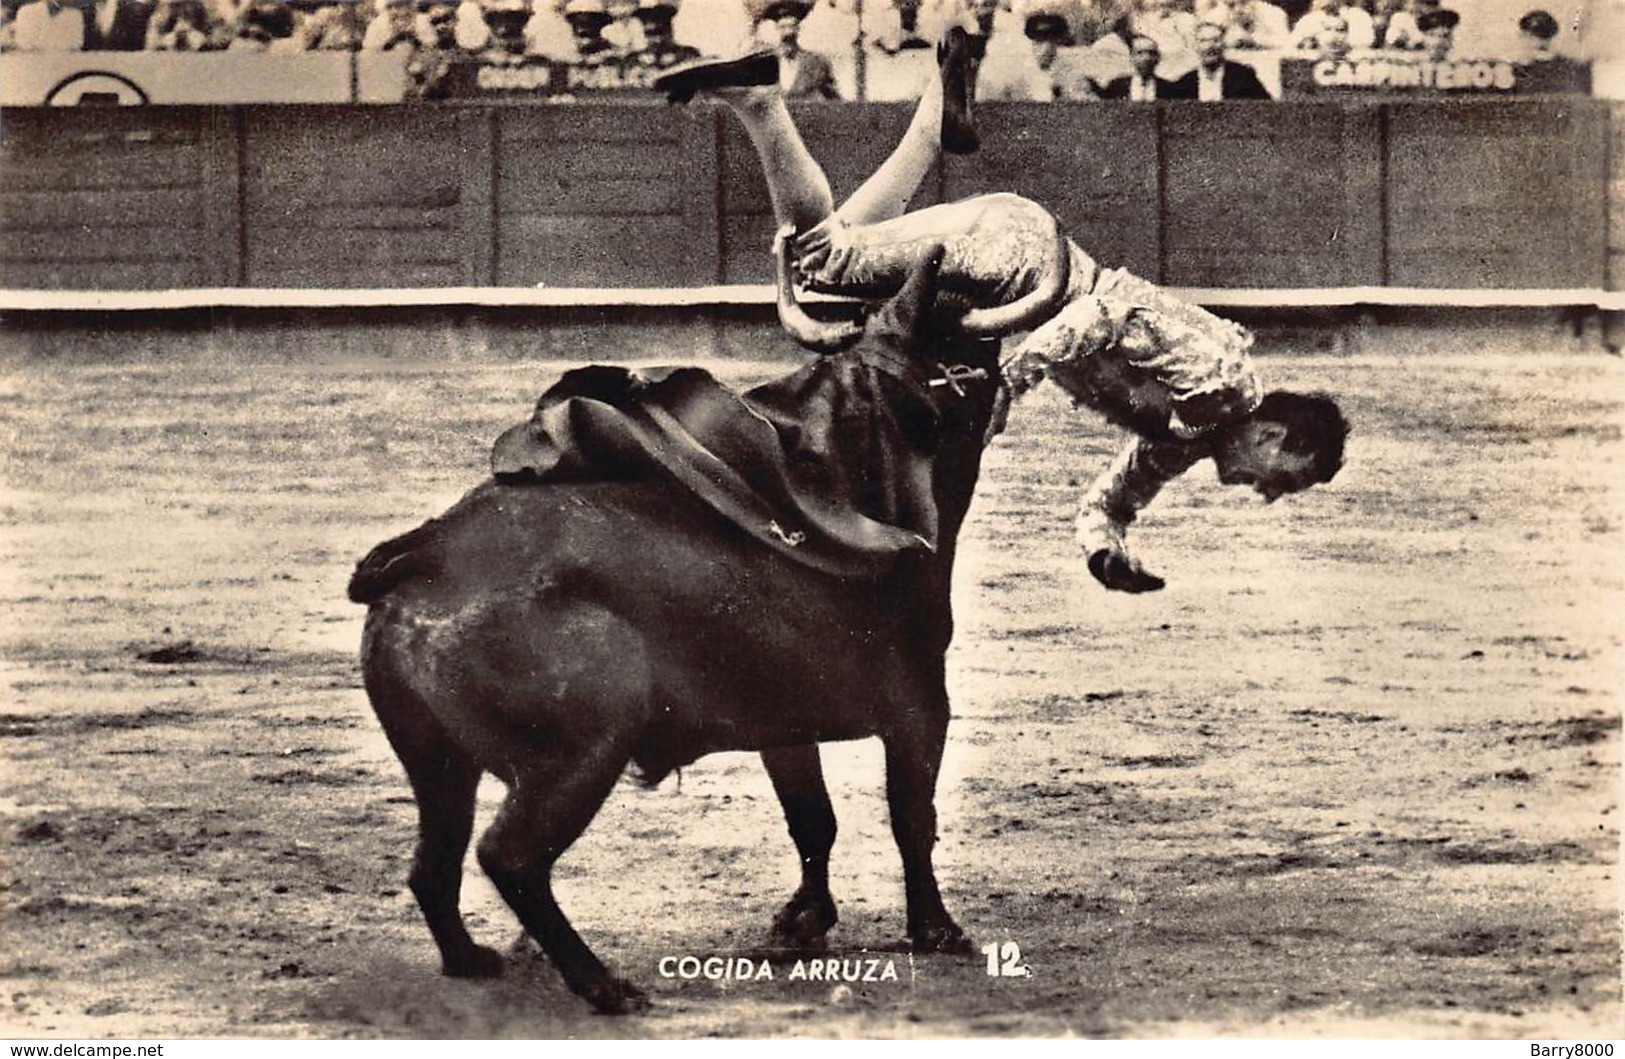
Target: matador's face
pixel 1252 455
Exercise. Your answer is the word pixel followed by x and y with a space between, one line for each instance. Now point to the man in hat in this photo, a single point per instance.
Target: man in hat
pixel 660 47
pixel 803 74
pixel 1215 76
pixel 1402 33
pixel 588 20
pixel 1178 377
pixel 1052 70
pixel 1439 32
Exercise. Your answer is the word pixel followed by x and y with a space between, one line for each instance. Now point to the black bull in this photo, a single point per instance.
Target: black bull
pixel 552 634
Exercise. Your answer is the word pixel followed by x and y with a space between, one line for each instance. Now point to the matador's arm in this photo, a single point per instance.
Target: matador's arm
pixel 1113 500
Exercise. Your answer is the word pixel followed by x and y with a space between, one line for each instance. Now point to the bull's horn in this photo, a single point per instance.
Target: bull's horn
pixel 816 335
pixel 1028 311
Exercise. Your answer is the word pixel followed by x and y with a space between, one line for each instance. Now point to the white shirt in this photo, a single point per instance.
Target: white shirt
pixel 1362 34
pixel 1142 91
pixel 40 29
pixel 1270 26
pixel 1209 84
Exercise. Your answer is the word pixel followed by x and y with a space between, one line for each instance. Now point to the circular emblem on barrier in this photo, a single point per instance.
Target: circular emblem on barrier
pixel 96 88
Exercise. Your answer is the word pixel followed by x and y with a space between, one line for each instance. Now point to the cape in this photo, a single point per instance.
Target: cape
pixel 831 465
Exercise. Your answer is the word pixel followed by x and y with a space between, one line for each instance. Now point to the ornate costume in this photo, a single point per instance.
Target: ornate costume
pixel 1169 371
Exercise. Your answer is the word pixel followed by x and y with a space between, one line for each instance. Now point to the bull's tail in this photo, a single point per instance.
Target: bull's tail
pixel 418 554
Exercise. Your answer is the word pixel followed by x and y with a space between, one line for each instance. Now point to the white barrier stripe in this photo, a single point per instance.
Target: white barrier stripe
pixel 748 295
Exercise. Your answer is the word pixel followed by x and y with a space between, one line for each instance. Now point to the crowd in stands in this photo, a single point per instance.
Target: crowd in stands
pixel 833 49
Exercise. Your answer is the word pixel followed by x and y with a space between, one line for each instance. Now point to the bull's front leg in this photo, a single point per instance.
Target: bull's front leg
pixel 913 758
pixel 798 780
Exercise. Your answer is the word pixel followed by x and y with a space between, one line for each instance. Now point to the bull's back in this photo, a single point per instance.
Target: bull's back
pixel 538 588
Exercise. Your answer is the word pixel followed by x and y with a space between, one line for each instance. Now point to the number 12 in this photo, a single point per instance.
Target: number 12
pixel 1004 960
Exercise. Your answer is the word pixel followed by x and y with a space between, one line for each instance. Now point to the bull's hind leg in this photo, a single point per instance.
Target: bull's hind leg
pixel 798 779
pixel 444 781
pixel 913 758
pixel 549 805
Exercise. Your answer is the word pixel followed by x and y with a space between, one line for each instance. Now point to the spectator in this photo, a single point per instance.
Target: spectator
pixel 1439 30
pixel 395 26
pixel 473 32
pixel 907 35
pixel 118 25
pixel 1403 33
pixel 1058 62
pixel 803 74
pixel 1332 42
pixel 265 25
pixel 588 19
pixel 1173 30
pixel 660 47
pixel 179 25
pixel 505 22
pixel 48 25
pixel 430 64
pixel 1305 33
pixel 1382 17
pixel 334 27
pixel 1215 76
pixel 1249 23
pixel 623 31
pixel 1142 85
pixel 715 27
pixel 999 41
pixel 1537 31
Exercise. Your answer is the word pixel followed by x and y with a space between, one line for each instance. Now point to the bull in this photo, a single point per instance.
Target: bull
pixel 552 635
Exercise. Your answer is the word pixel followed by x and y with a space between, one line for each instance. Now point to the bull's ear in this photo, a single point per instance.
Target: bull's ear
pixel 907 317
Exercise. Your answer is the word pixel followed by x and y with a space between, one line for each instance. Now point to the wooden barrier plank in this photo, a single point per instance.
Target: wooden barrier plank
pixel 584 251
pixel 590 125
pixel 78 207
pixel 1254 195
pixel 132 244
pixel 68 276
pixel 1094 167
pixel 1496 194
pixel 476 204
pixel 701 205
pixel 109 165
pixel 347 155
pixel 567 193
pixel 338 250
pixel 378 276
pixel 736 295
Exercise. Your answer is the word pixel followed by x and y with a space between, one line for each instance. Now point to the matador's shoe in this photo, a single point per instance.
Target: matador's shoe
pixel 680 82
pixel 954 60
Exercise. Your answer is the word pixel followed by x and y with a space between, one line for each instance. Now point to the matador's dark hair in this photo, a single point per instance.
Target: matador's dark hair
pixel 1314 427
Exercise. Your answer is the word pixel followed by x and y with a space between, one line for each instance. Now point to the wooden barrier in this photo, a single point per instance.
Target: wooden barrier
pixel 1505 194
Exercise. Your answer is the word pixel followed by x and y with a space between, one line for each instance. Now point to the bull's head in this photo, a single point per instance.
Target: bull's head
pixel 1029 311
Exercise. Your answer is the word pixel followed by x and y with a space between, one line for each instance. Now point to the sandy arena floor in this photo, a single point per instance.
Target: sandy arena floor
pixel 1355 772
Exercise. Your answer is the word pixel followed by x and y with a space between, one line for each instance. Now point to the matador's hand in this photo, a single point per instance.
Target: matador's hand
pixel 814 246
pixel 1109 558
pixel 1121 572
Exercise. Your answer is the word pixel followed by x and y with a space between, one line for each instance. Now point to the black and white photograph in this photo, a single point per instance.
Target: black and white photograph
pixel 536 520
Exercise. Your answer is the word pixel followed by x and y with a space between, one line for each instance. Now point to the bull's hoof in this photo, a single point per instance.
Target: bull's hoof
pixel 478 962
pixel 800 926
pixel 616 996
pixel 946 938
